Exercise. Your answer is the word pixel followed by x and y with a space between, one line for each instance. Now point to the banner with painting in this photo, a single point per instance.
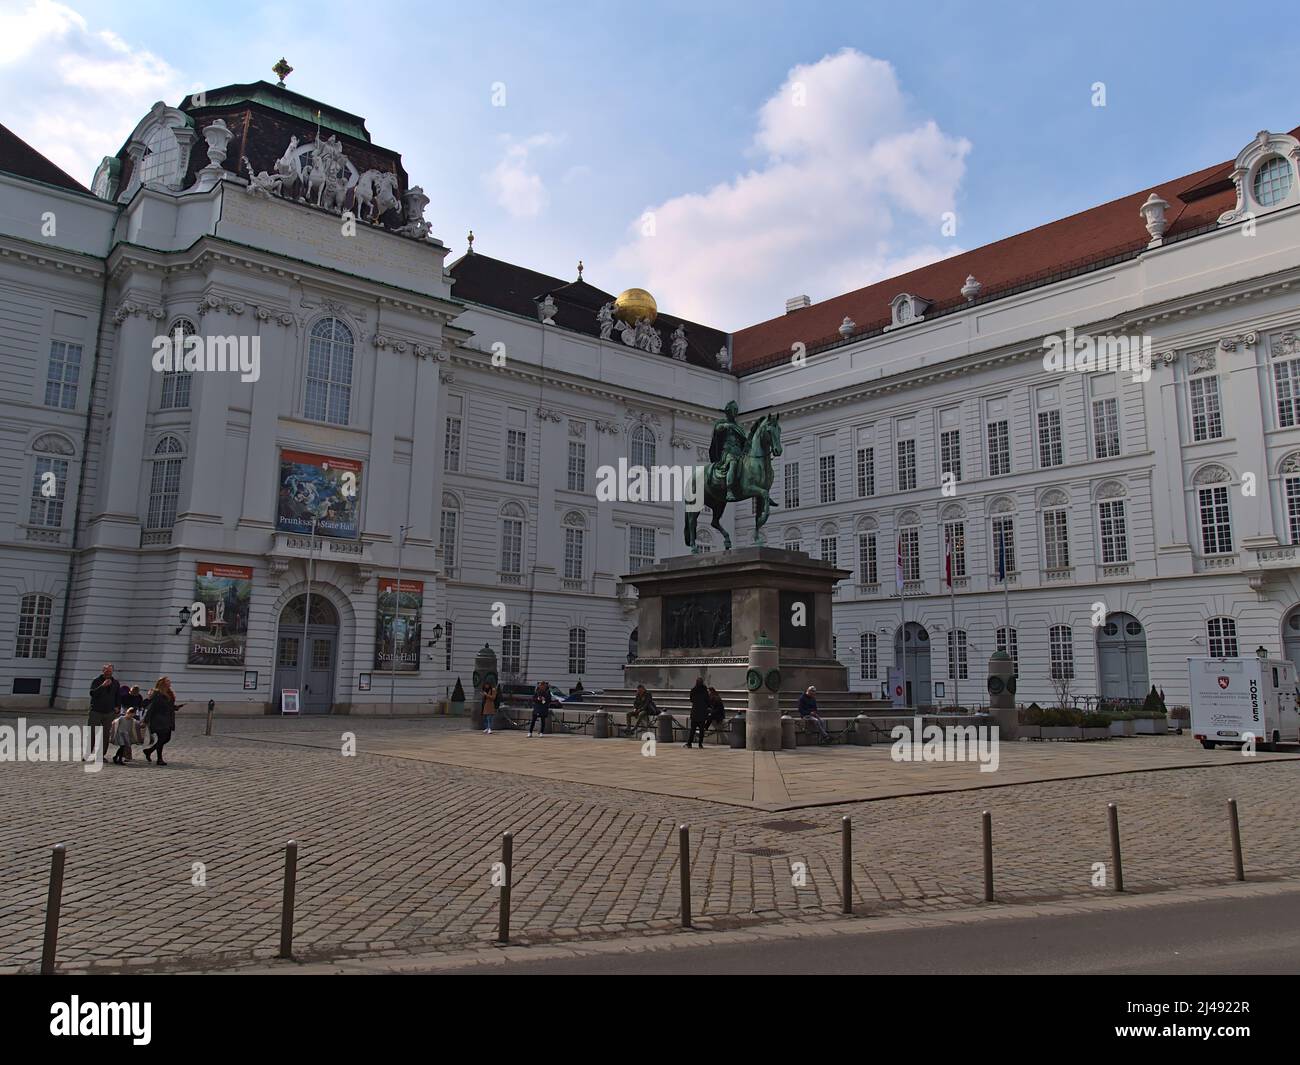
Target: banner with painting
pixel 397 626
pixel 322 488
pixel 225 592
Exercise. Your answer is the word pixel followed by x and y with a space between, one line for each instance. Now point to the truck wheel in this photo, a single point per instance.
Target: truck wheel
pixel 1207 745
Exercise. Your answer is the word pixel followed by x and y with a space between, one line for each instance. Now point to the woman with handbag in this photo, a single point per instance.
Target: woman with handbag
pixel 160 716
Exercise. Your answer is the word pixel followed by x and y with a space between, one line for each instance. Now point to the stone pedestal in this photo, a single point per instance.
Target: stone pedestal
pixel 763 731
pixel 698 615
pixel 1002 695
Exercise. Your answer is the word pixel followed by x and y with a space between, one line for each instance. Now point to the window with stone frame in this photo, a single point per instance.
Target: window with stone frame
pixel 1114 531
pixel 1105 427
pixel 49 492
pixel 1216 520
pixel 451 445
pixel 1222 635
pixel 790 482
pixel 329 372
pixel 175 394
pixel 866 471
pixel 1207 414
pixel 1061 648
pixel 34 613
pixel 906 450
pixel 577 650
pixel 164 484
pixel 1009 647
pixel 958 662
pixel 1056 538
pixel 62 375
pixel 999 450
pixel 868 568
pixel 868 664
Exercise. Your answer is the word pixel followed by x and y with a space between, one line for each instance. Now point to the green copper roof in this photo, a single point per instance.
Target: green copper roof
pixel 290 103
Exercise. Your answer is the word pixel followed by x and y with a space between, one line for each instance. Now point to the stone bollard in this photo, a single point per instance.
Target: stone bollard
pixel 862 730
pixel 763 680
pixel 736 732
pixel 476 715
pixel 664 727
pixel 601 724
pixel 789 737
pixel 1002 695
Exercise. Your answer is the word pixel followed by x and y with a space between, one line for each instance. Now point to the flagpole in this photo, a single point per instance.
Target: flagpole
pixel 956 660
pixel 900 580
pixel 306 615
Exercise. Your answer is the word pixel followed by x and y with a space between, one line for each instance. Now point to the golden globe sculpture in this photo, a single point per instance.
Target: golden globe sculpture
pixel 633 304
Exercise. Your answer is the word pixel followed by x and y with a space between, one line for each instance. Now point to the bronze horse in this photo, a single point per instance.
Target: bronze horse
pixel 754 482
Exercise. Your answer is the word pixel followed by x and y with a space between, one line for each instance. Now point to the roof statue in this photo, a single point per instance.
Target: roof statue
pixel 605 316
pixel 679 343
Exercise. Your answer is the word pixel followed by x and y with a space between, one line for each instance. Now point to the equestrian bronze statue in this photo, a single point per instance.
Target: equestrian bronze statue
pixel 740 467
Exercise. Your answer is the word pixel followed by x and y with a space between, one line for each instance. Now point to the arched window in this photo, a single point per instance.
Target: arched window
pixel 643 447
pixel 1222 633
pixel 176 383
pixel 1061 646
pixel 577 650
pixel 164 484
pixel 867 655
pixel 828 542
pixel 1010 647
pixel 510 645
pixel 329 372
pixel 449 532
pixel 512 543
pixel 161 158
pixel 50 480
pixel 34 613
pixel 575 535
pixel 793 539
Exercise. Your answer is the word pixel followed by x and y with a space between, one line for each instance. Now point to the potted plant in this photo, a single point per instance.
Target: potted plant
pixel 1122 725
pixel 1031 721
pixel 1060 723
pixel 1150 720
pixel 458 699
pixel 1095 726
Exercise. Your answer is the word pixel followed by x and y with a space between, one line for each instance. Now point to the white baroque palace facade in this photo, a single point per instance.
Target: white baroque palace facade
pixel 443 422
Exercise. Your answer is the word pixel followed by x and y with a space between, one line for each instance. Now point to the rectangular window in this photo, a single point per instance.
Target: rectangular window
pixel 1114 532
pixel 641 547
pixel 950 454
pixel 790 475
pixel 954 533
pixel 1286 380
pixel 830 550
pixel 577 466
pixel 320 654
pixel 510 644
pixel 175 390
pixel 577 651
pixel 793 544
pixel 958 663
pixel 868 572
pixel 512 545
pixel 1056 538
pixel 1293 508
pixel 49 490
pixel 999 449
pixel 1062 653
pixel 164 491
pixel 447 631
pixel 573 545
pixel 826 469
pixel 516 442
pixel 451 446
pixel 1223 637
pixel 1207 415
pixel 906 465
pixel 866 471
pixel 1004 536
pixel 1216 521
pixel 34 614
pixel 1105 428
pixel 447 538
pixel 1012 649
pixel 911 554
pixel 868 666
pixel 1049 438
pixel 287 652
pixel 63 375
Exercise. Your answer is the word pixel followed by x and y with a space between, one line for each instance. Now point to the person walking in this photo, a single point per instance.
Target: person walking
pixel 717 711
pixel 699 696
pixel 124 735
pixel 131 697
pixel 491 693
pixel 541 708
pixel 643 710
pixel 808 711
pixel 160 715
pixel 105 698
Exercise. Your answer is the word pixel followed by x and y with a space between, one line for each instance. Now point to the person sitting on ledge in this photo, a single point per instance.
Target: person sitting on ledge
pixel 808 711
pixel 643 710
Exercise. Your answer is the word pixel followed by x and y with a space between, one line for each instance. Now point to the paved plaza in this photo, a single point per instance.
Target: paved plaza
pixel 397 842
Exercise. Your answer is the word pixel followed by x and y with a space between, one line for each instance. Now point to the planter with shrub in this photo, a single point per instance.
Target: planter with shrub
pixel 1122 725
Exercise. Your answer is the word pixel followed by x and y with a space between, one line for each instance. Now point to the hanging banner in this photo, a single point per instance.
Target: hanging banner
pixel 320 487
pixel 397 626
pixel 225 592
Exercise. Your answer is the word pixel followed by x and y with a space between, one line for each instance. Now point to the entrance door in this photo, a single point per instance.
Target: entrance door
pixel 1291 638
pixel 1122 658
pixel 310 665
pixel 918 663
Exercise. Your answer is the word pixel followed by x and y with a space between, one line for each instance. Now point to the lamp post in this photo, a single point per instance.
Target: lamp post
pixel 397 605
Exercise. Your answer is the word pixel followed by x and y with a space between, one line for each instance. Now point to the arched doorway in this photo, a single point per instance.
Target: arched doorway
pixel 918 662
pixel 316 668
pixel 1291 637
pixel 1122 658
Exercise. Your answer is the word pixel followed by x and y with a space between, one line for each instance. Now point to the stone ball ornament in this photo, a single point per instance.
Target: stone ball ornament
pixel 634 304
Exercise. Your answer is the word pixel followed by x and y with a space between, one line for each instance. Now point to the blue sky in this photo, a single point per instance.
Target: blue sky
pixel 688 111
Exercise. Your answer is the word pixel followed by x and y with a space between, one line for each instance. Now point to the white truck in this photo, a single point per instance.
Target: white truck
pixel 1241 700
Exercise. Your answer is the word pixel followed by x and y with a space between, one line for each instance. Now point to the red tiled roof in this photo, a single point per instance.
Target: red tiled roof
pixel 1072 243
pixel 21 159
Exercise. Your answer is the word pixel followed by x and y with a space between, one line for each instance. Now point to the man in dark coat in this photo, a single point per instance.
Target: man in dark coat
pixel 699 711
pixel 105 698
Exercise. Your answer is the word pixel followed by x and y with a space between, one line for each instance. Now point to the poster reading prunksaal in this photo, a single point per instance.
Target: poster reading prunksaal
pixel 320 488
pixel 225 592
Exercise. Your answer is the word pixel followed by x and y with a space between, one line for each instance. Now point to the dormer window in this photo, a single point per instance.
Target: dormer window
pixel 1265 177
pixel 906 309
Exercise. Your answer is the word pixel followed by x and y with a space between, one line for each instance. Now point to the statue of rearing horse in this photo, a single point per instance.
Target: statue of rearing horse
pixel 741 468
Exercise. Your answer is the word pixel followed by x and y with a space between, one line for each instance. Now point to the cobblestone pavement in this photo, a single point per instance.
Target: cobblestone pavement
pixel 396 851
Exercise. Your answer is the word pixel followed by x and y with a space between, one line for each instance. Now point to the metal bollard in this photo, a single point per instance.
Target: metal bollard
pixel 862 730
pixel 846 863
pixel 684 848
pixel 1112 813
pixel 664 727
pixel 211 706
pixel 286 905
pixel 601 724
pixel 53 904
pixel 507 863
pixel 1236 839
pixel 789 737
pixel 987 819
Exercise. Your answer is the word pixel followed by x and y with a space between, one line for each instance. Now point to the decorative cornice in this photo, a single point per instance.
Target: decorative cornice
pixel 603 426
pixel 129 308
pixel 446 377
pixel 1241 340
pixel 545 414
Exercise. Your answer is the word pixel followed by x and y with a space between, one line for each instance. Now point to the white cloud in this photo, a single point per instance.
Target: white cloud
pixel 850 187
pixel 517 186
pixel 73 92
